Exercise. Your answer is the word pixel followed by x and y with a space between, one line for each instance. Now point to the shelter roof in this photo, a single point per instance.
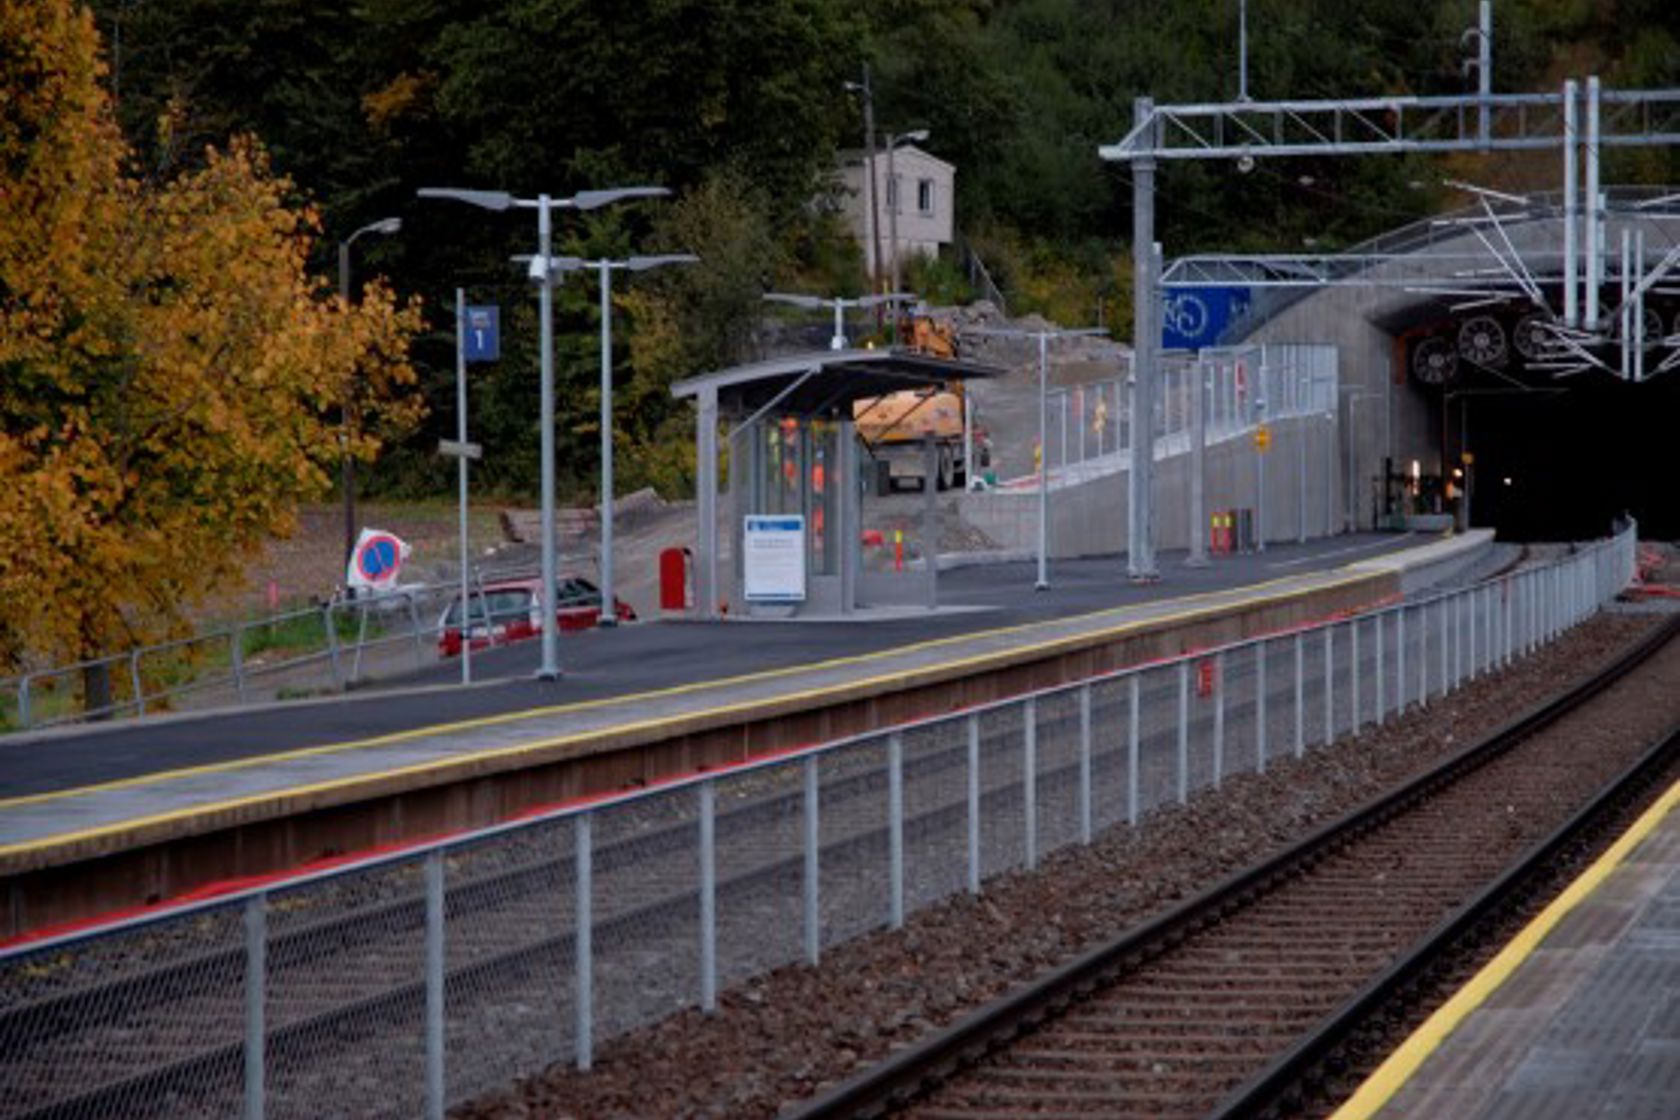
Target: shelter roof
pixel 823 382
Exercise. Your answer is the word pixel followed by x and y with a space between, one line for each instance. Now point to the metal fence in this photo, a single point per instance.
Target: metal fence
pixel 329 647
pixel 409 982
pixel 1243 386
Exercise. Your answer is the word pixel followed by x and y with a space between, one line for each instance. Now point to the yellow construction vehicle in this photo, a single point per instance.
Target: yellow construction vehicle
pixel 894 427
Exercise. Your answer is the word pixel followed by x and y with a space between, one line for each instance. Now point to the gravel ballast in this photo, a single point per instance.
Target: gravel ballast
pixel 787 1035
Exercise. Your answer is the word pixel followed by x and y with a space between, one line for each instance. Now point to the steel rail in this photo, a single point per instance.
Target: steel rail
pixel 911 1072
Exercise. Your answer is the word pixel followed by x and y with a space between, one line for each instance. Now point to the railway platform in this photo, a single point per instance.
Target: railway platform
pixel 106 819
pixel 1578 1016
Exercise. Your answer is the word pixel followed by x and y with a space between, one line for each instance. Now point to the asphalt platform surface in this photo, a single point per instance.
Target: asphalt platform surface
pixel 637 658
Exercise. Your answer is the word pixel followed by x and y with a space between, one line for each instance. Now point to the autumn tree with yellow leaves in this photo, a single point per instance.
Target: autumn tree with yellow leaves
pixel 172 378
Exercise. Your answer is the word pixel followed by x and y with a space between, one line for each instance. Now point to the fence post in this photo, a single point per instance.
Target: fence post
pixel 1218 718
pixel 1260 706
pixel 1300 694
pixel 584 945
pixel 974 803
pixel 1133 750
pixel 256 985
pixel 1353 661
pixel 1183 730
pixel 1085 763
pixel 414 622
pixel 1446 646
pixel 23 702
pixel 1400 661
pixel 434 984
pixel 708 896
pixel 1329 683
pixel 236 658
pixel 1382 668
pixel 134 682
pixel 1029 779
pixel 813 838
pixel 332 645
pixel 895 827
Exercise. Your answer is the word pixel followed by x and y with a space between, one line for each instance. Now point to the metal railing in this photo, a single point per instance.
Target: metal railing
pixel 406 983
pixel 330 647
pixel 1245 385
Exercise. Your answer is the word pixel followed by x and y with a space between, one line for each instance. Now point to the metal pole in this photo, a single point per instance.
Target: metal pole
pixel 1043 463
pixel 1624 312
pixel 1382 699
pixel 1353 665
pixel 550 669
pixel 609 602
pixel 708 897
pixel 1300 694
pixel 1260 706
pixel 973 803
pixel 461 477
pixel 434 984
pixel 1198 557
pixel 1133 750
pixel 1242 50
pixel 1260 468
pixel 1571 221
pixel 584 943
pixel 1329 685
pixel 1593 214
pixel 894 201
pixel 813 838
pixel 1140 548
pixel 256 987
pixel 1029 780
pixel 1183 730
pixel 895 827
pixel 874 188
pixel 1484 68
pixel 347 464
pixel 1218 719
pixel 1085 765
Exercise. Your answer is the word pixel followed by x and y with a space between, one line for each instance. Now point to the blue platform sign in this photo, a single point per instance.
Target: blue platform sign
pixel 482 341
pixel 1192 318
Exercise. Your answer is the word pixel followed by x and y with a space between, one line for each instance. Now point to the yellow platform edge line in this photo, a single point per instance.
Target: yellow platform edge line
pixel 80 835
pixel 1390 1077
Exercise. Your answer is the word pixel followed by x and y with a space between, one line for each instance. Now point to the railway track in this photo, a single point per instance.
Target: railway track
pixel 1245 999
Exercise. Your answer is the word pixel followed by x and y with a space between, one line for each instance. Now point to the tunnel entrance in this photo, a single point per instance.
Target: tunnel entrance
pixel 1553 465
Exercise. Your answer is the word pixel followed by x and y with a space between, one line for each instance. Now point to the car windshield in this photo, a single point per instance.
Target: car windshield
pixel 502 606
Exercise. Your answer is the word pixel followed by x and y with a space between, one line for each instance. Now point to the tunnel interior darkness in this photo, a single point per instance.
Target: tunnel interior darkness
pixel 1574 459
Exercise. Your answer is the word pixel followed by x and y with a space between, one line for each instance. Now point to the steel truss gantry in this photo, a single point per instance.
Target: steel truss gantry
pixel 1243 131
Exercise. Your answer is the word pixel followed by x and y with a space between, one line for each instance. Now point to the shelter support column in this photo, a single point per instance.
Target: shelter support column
pixel 846 553
pixel 706 486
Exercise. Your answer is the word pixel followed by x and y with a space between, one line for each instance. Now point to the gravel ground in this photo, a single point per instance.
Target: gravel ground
pixel 785 1036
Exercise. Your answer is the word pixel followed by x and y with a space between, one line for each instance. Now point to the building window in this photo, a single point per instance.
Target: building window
pixel 924 196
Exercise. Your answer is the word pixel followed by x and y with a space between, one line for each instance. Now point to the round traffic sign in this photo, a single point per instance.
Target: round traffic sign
pixel 379 558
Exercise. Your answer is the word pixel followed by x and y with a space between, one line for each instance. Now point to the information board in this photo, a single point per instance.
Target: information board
pixel 773 552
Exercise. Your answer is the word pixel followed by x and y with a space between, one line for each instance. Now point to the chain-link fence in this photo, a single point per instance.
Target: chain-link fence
pixel 409 982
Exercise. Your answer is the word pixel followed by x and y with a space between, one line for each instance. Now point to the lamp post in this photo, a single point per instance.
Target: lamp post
pixel 1043 581
pixel 895 199
pixel 609 603
pixel 543 269
pixel 347 466
pixel 867 92
pixel 839 304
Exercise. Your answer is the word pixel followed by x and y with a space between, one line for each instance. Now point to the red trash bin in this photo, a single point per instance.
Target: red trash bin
pixel 673 580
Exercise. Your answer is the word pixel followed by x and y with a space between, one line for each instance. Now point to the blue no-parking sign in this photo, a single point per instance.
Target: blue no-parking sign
pixel 482 337
pixel 376 560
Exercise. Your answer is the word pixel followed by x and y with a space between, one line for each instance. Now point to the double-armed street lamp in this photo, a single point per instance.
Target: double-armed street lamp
pixel 544 267
pixel 609 602
pixel 839 304
pixel 347 465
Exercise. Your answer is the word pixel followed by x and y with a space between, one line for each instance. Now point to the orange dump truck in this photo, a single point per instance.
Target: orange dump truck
pixel 894 427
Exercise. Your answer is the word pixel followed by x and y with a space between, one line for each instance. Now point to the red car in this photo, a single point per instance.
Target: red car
pixel 507 611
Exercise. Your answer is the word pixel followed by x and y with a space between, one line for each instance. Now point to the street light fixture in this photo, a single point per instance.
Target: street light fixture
pixel 609 601
pixel 1043 337
pixel 347 465
pixel 544 205
pixel 866 92
pixel 838 341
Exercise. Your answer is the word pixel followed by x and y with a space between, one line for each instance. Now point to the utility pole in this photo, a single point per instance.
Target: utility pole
pixel 867 92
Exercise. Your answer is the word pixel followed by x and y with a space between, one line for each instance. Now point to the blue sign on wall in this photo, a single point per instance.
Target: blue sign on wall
pixel 1192 318
pixel 482 341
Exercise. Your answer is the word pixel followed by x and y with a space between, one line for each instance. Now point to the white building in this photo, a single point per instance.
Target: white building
pixel 919 196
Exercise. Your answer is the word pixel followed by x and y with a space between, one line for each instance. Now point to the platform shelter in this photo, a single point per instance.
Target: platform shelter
pixel 787 429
